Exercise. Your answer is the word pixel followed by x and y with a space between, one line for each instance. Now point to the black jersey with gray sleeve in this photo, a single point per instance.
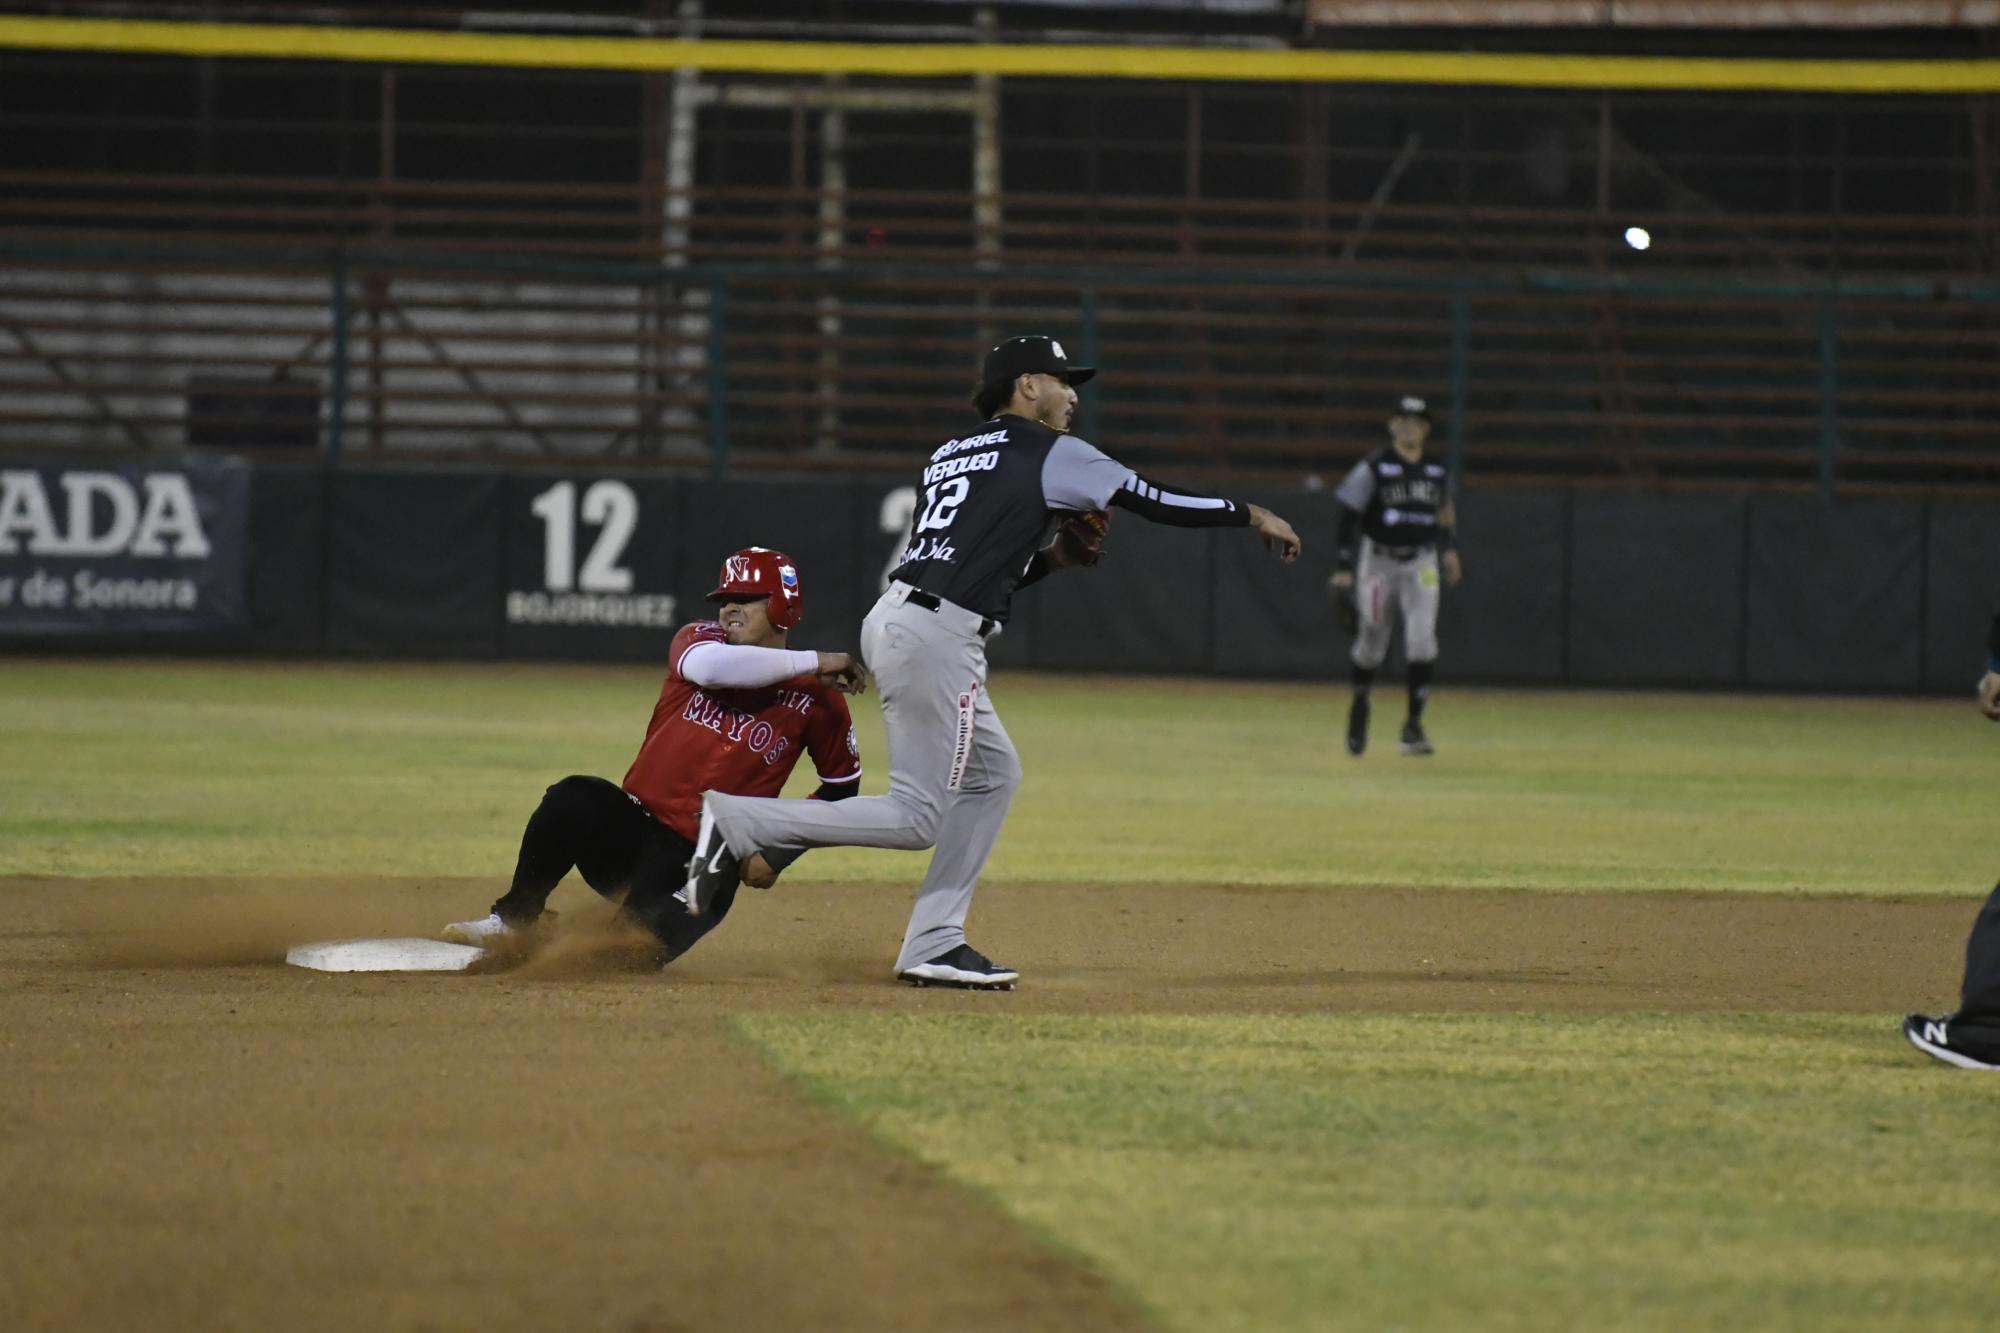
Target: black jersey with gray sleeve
pixel 984 507
pixel 1401 503
pixel 988 499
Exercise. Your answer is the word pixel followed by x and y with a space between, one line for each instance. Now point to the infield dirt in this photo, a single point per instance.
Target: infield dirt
pixel 197 1136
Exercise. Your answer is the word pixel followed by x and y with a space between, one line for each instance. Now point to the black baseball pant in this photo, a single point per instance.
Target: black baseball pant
pixel 1977 1021
pixel 596 828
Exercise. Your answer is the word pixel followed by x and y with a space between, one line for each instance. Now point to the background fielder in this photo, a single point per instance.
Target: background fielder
pixel 990 498
pixel 1398 528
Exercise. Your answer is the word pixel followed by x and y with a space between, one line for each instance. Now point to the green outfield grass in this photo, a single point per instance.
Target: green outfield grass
pixel 1448 1172
pixel 246 769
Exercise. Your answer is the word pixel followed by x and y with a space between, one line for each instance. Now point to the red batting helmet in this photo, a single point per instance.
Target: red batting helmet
pixel 758 571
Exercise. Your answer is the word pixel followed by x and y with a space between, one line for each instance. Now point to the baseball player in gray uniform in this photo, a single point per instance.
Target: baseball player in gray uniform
pixel 1398 504
pixel 990 499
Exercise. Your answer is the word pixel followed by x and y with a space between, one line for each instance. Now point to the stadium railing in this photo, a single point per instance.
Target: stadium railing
pixel 1276 372
pixel 792 224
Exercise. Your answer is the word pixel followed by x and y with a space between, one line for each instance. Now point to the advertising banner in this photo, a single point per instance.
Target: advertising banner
pixel 591 562
pixel 111 549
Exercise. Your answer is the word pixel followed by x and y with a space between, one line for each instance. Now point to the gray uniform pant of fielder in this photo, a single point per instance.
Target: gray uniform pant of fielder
pixel 952 770
pixel 1383 583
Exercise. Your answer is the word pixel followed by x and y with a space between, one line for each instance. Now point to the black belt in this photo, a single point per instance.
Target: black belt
pixel 1401 554
pixel 932 602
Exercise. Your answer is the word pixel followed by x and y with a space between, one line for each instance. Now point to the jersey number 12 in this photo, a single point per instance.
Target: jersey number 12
pixel 941 503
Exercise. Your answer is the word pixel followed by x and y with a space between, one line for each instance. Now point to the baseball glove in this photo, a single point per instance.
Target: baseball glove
pixel 1079 539
pixel 1346 607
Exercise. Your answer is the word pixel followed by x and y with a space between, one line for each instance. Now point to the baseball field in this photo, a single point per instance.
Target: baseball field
pixel 1588 1021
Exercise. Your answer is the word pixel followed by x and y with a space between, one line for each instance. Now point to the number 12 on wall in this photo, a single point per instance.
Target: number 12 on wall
pixel 613 509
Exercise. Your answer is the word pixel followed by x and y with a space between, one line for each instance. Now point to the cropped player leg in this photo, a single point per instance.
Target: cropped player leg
pixel 1358 710
pixel 972 819
pixel 1978 1016
pixel 1371 644
pixel 650 901
pixel 583 823
pixel 1420 614
pixel 1372 595
pixel 928 676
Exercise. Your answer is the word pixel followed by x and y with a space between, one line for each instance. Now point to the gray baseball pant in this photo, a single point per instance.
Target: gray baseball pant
pixel 1383 583
pixel 952 770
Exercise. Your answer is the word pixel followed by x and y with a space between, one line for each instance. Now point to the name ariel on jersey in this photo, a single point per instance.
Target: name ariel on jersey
pixel 738 727
pixel 967 445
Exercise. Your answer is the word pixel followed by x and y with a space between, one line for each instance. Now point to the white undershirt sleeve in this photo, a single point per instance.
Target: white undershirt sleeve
pixel 743 666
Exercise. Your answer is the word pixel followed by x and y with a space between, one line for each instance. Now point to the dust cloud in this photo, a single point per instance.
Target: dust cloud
pixel 225 923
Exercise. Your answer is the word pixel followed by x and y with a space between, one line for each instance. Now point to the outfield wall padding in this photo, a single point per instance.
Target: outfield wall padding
pixel 1157 615
pixel 1587 588
pixel 1961 590
pixel 413 565
pixel 287 561
pixel 1656 589
pixel 1506 621
pixel 1273 619
pixel 1834 593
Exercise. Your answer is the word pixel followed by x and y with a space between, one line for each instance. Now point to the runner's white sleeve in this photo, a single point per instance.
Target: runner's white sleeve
pixel 743 666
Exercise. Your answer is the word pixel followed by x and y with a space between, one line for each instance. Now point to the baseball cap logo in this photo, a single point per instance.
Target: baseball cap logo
pixel 788 576
pixel 737 570
pixel 1033 354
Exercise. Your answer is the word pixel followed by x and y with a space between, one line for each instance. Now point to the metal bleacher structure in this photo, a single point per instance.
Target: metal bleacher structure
pixel 797 273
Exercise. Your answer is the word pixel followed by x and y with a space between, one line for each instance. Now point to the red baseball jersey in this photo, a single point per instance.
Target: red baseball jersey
pixel 743 742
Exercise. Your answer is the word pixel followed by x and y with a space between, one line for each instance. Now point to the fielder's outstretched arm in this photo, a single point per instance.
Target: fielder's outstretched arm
pixel 1180 509
pixel 1079 476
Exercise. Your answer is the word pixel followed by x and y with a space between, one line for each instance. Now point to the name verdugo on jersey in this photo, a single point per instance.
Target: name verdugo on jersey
pixel 952 467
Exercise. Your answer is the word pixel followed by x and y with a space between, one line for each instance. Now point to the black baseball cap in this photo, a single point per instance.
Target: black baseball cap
pixel 1036 354
pixel 1409 405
